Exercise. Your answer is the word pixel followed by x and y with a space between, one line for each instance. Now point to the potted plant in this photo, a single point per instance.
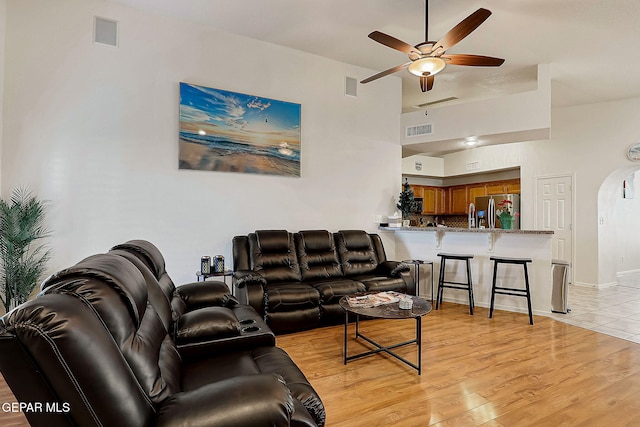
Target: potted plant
pixel 23 258
pixel 505 215
pixel 406 201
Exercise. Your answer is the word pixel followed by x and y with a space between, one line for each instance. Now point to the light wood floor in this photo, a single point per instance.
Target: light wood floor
pixel 476 372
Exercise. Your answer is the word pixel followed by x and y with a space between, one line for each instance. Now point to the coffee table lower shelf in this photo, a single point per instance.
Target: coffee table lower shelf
pixel 380 348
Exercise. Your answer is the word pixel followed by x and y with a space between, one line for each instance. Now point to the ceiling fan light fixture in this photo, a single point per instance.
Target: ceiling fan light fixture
pixel 427 66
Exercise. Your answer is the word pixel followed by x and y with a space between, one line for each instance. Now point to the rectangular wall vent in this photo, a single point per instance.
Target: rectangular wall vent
pixel 471 166
pixel 419 130
pixel 350 86
pixel 105 31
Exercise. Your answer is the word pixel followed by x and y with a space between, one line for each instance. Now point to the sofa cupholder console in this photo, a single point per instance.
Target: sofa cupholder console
pixel 251 329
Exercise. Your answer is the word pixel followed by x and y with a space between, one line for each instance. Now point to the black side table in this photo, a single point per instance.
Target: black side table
pixel 224 274
pixel 417 263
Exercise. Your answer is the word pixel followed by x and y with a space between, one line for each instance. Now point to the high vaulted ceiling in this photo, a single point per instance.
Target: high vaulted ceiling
pixel 591 45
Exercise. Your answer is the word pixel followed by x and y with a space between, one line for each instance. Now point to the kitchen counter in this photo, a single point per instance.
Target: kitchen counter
pixel 466 230
pixel 426 243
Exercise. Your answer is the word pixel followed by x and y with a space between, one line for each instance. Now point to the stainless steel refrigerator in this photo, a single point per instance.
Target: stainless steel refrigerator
pixel 482 205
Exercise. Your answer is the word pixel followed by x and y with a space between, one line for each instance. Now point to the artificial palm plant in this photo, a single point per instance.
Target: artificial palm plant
pixel 23 255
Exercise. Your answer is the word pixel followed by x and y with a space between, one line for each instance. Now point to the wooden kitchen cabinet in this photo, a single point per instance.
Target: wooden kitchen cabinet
pixel 418 191
pixel 513 186
pixel 476 190
pixel 433 200
pixel 458 199
pixel 510 186
pixel 454 200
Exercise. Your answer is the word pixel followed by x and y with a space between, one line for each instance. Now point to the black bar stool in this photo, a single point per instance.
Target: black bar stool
pixel 468 285
pixel 511 291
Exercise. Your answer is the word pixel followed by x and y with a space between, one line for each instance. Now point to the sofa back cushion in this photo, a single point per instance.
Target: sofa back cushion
pixel 272 254
pixel 356 251
pixel 153 259
pixel 155 294
pixel 317 255
pixel 116 290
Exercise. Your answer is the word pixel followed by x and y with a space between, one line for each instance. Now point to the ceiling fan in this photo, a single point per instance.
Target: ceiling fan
pixel 428 58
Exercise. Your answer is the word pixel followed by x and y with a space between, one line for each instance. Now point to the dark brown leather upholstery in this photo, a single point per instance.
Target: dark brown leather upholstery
pixel 296 280
pixel 94 341
pixel 200 314
pixel 289 304
pixel 363 259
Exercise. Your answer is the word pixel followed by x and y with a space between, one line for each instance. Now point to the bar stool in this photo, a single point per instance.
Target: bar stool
pixel 468 285
pixel 511 291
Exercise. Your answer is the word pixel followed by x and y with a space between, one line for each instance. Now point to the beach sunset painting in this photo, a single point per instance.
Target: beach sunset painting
pixel 233 132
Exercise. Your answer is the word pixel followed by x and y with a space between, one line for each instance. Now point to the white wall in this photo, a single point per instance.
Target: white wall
pixel 626 220
pixel 589 141
pixel 3 24
pixel 94 129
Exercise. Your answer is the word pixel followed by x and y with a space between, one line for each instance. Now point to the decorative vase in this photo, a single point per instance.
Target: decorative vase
pixel 506 222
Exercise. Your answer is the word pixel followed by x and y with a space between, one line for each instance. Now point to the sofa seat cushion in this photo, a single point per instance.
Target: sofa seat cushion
pixel 290 296
pixel 376 283
pixel 331 290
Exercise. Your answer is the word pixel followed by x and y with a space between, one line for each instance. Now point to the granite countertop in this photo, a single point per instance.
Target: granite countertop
pixel 466 230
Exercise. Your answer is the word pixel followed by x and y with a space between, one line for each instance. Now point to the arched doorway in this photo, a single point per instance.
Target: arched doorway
pixel 618 226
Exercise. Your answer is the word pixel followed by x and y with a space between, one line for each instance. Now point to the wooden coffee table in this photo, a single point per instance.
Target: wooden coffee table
pixel 387 311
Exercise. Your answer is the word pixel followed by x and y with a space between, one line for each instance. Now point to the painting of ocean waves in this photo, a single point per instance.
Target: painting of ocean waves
pixel 232 132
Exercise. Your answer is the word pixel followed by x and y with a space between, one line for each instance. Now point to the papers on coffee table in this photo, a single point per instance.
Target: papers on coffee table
pixel 373 300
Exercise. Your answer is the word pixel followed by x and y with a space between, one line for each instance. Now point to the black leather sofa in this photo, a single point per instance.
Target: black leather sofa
pixel 102 346
pixel 295 280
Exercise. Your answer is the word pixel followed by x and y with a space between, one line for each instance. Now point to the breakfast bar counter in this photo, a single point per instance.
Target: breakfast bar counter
pixel 426 242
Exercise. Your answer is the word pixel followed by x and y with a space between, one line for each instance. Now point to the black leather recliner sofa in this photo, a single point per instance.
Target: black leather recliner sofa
pixel 99 346
pixel 295 280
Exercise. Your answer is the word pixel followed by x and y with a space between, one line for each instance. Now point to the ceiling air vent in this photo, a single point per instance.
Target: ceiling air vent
pixel 419 130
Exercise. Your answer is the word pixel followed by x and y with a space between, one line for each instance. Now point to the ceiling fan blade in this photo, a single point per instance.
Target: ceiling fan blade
pixel 385 73
pixel 426 83
pixel 462 30
pixel 392 42
pixel 472 60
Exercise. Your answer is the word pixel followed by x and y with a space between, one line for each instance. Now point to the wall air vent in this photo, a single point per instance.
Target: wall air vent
pixel 350 86
pixel 105 31
pixel 419 130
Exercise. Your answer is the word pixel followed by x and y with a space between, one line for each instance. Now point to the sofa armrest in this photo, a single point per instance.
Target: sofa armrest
pixel 393 268
pixel 250 400
pixel 206 324
pixel 205 294
pixel 244 278
pixel 211 330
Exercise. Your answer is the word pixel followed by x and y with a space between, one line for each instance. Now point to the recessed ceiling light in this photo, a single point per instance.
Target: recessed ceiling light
pixel 470 141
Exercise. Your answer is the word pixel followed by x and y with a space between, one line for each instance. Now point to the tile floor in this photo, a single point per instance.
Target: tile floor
pixel 613 311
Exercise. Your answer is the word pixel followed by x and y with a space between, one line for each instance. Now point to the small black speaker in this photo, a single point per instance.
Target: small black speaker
pixel 105 31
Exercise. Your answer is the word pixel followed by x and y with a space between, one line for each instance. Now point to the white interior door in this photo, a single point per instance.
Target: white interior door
pixel 554 211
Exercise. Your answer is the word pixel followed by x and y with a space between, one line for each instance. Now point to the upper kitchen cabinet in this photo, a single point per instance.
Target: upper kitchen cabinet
pixel 476 190
pixel 433 200
pixel 418 191
pixel 510 186
pixel 458 199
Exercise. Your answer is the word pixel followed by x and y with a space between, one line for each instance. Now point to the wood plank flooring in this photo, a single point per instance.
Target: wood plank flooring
pixel 476 372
